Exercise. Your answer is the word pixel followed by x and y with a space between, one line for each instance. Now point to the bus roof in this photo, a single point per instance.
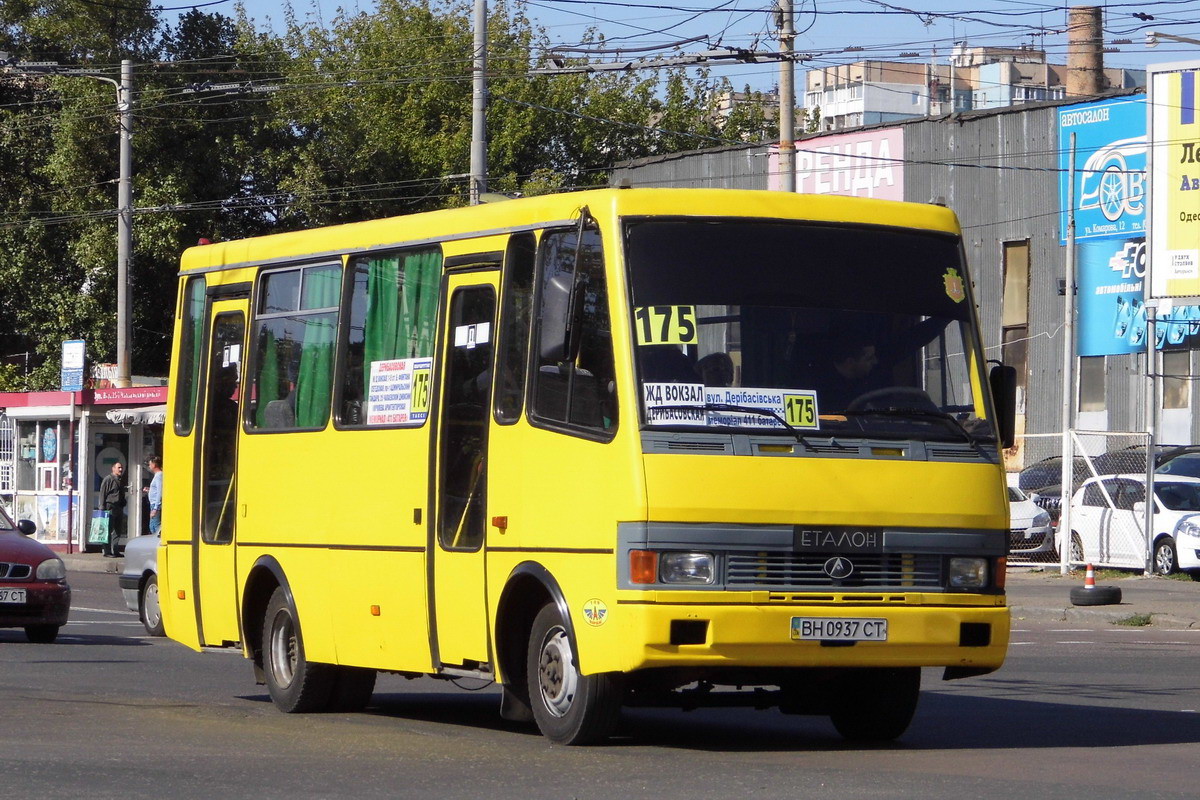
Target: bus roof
pixel 548 210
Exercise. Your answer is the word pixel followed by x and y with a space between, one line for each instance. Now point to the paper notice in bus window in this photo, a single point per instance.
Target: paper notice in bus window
pixel 674 403
pixel 470 336
pixel 670 404
pixel 399 391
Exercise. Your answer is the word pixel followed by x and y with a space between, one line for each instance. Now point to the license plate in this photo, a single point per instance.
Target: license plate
pixel 12 595
pixel 839 629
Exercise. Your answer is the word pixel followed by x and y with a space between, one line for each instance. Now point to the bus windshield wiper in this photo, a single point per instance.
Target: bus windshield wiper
pixel 920 413
pixel 763 412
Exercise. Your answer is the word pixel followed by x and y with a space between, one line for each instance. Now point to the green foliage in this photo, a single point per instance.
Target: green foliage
pixel 366 117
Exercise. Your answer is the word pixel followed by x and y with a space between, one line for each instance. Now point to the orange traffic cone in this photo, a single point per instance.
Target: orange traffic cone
pixel 1089 578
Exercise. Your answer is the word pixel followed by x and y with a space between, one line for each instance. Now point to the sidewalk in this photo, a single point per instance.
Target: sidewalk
pixel 1045 595
pixel 1033 594
pixel 91 562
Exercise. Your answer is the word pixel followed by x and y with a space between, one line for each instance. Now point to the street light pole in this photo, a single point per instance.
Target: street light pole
pixel 124 225
pixel 787 99
pixel 124 88
pixel 478 165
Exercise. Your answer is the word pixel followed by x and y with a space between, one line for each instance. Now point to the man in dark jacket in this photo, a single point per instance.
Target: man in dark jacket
pixel 112 500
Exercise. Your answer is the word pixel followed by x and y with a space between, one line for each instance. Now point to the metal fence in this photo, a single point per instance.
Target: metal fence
pixel 1107 496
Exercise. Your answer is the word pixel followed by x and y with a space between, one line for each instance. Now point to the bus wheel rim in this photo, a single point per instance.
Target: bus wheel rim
pixel 283 649
pixel 557 677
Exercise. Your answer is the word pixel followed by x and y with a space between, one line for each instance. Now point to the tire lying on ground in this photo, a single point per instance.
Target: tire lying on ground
pixel 1095 596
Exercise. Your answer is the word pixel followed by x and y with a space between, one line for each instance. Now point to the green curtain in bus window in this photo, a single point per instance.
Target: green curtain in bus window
pixel 267 385
pixel 424 270
pixel 314 379
pixel 400 309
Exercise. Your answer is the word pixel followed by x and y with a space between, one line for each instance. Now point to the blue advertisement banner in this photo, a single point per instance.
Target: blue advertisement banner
pixel 1112 310
pixel 1110 168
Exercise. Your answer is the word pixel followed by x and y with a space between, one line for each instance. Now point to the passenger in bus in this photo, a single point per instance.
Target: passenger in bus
pixel 715 369
pixel 665 363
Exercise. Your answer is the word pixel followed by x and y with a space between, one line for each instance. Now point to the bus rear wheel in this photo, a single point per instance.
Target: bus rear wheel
pixel 296 684
pixel 569 708
pixel 876 705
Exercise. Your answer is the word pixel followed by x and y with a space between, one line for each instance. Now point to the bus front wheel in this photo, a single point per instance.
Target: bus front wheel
pixel 876 705
pixel 569 708
pixel 296 684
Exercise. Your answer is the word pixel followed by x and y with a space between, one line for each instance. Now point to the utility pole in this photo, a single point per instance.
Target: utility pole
pixel 125 225
pixel 787 99
pixel 1068 375
pixel 124 88
pixel 479 106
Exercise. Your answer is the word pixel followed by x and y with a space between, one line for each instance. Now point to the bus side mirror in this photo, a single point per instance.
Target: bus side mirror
pixel 1003 381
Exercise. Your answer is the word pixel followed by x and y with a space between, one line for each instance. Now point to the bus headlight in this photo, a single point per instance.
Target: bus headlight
pixel 968 573
pixel 686 568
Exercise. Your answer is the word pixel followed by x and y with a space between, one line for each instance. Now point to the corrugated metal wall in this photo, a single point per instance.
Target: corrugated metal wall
pixel 999 171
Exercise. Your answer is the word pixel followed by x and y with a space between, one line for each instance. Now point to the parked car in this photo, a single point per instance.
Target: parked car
pixel 139 581
pixel 1048 472
pixel 1133 459
pixel 1029 528
pixel 34 594
pixel 1107 516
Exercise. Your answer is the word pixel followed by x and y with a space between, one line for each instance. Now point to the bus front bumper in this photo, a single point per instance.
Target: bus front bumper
pixel 970 638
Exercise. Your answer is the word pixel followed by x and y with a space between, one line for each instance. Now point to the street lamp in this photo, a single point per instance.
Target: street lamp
pixel 124 89
pixel 1152 38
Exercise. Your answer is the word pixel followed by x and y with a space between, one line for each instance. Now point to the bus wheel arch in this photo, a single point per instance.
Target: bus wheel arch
pixel 530 587
pixel 265 577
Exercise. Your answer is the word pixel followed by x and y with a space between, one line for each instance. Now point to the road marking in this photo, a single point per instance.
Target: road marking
pixel 102 610
pixel 1074 642
pixel 99 622
pixel 1068 630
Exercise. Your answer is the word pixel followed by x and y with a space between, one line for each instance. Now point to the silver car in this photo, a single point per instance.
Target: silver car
pixel 139 581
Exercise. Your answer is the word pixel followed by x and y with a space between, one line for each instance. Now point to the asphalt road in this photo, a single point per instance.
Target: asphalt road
pixel 1078 712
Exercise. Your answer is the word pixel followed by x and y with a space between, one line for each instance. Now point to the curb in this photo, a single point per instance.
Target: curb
pixel 95 564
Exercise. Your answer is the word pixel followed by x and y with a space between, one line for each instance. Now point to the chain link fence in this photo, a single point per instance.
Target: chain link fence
pixel 1107 518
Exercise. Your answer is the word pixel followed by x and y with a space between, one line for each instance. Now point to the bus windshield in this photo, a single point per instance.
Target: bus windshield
pixel 792 327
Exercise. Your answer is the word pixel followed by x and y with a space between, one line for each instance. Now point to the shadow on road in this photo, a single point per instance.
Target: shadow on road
pixel 943 722
pixel 11 636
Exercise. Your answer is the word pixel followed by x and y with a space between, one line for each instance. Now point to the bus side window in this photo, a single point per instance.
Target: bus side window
pixel 579 393
pixel 515 314
pixel 294 332
pixel 191 338
pixel 393 315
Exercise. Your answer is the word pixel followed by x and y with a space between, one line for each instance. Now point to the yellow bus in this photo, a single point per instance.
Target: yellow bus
pixel 634 447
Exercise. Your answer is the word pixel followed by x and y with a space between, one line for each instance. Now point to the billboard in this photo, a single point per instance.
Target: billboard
pixel 1110 164
pixel 1112 305
pixel 1175 180
pixel 863 164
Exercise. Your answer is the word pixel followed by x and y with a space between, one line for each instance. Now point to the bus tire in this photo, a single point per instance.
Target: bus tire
pixel 568 707
pixel 296 685
pixel 877 705
pixel 352 689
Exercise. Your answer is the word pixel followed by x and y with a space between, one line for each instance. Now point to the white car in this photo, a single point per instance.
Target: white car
pixel 1107 515
pixel 1029 529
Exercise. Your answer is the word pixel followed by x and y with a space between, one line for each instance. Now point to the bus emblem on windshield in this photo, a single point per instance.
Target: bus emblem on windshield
pixel 954 285
pixel 838 568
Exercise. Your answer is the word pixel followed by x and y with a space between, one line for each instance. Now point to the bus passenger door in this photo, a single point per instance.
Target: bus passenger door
pixel 459 596
pixel 215 515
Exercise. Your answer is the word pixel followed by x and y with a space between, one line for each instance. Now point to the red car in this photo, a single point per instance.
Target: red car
pixel 34 594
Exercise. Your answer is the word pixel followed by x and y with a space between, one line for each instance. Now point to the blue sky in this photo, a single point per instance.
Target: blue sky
pixel 922 31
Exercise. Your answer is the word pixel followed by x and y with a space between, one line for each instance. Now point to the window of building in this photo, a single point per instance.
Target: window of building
pixel 1014 321
pixel 1091 383
pixel 391 329
pixel 1177 369
pixel 294 332
pixel 578 391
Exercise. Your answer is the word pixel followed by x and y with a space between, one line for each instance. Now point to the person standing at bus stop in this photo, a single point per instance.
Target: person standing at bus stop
pixel 112 500
pixel 154 494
